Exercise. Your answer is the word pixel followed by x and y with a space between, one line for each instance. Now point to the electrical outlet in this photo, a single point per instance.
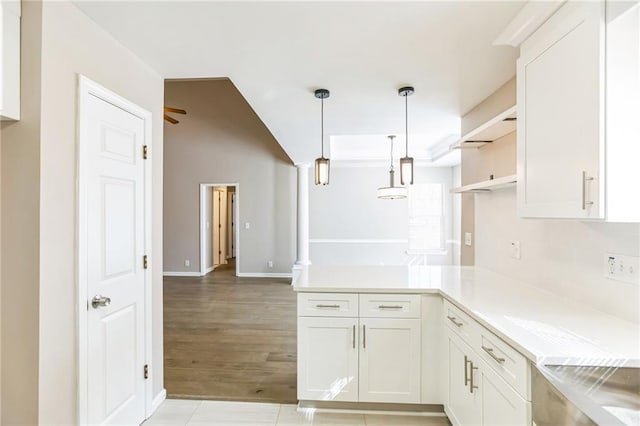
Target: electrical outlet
pixel 621 268
pixel 247 225
pixel 515 249
pixel 467 238
pixel 187 262
pixel 270 264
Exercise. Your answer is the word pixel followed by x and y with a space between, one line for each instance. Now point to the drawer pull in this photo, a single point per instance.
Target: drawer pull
pixel 328 306
pixel 492 355
pixel 453 320
pixel 389 307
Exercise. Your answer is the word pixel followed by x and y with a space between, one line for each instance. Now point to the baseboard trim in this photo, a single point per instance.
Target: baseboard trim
pixel 265 275
pixel 181 274
pixel 427 410
pixel 158 400
pixel 209 269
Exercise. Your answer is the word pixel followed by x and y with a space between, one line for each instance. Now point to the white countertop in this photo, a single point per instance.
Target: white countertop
pixel 539 324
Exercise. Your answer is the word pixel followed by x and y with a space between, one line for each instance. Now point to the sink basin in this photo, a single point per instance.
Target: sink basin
pixel 586 394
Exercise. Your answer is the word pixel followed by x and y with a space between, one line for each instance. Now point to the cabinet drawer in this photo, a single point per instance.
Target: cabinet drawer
pixel 390 306
pixel 462 324
pixel 508 363
pixel 327 305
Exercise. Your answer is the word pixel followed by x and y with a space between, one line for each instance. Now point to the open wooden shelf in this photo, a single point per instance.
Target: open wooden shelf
pixel 495 128
pixel 487 185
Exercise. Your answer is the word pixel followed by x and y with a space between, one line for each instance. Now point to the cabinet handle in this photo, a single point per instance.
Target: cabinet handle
pixel 585 179
pixel 466 375
pixel 364 337
pixel 453 320
pixel 492 355
pixel 328 306
pixel 471 385
pixel 353 337
pixel 389 307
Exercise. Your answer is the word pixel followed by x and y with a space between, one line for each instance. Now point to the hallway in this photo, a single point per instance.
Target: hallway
pixel 229 338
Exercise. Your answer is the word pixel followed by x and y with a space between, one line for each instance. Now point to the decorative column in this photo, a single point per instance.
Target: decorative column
pixel 302 248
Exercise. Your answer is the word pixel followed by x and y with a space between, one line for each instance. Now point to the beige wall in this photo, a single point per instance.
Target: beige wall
pixel 21 235
pixel 496 159
pixel 39 199
pixel 222 140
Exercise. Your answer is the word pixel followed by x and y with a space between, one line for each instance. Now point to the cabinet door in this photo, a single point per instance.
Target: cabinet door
pixel 464 403
pixel 390 360
pixel 328 359
pixel 561 115
pixel 501 404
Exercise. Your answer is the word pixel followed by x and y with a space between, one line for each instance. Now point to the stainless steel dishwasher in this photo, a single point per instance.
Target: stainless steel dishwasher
pixel 566 394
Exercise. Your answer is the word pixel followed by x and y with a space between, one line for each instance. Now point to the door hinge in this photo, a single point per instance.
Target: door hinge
pixel 145 261
pixel 146 371
pixel 145 152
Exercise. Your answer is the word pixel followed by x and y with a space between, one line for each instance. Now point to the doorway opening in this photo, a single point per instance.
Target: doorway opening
pixel 219 242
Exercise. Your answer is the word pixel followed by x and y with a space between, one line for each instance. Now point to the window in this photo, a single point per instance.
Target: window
pixel 426 218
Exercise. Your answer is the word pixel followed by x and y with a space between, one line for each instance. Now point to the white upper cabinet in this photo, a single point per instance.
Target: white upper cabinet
pixel 10 60
pixel 573 155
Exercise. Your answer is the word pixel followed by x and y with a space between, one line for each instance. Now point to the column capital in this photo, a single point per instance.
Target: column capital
pixel 302 165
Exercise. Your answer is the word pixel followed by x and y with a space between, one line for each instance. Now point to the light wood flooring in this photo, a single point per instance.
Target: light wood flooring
pixel 228 338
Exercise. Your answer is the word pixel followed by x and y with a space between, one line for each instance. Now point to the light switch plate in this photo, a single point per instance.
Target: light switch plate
pixel 623 268
pixel 515 250
pixel 467 238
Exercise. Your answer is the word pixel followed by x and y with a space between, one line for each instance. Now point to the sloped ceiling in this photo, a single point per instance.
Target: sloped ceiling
pixel 277 53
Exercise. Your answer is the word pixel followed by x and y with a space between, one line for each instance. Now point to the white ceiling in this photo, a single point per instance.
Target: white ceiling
pixel 277 53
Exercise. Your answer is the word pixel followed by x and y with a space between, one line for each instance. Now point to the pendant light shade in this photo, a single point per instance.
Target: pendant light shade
pixel 406 163
pixel 322 164
pixel 322 171
pixel 392 192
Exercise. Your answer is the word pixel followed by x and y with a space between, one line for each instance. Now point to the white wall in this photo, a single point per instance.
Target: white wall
pixel 39 208
pixel 348 209
pixel 561 256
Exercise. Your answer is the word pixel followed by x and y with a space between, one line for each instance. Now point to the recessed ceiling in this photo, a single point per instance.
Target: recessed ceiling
pixel 277 53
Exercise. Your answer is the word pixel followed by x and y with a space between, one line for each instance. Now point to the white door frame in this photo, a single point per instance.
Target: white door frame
pixel 203 224
pixel 86 88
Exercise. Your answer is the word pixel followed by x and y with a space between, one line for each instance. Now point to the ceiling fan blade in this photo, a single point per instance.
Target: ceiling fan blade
pixel 170 119
pixel 176 110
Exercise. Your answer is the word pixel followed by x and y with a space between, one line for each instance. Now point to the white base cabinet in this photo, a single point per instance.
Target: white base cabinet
pixel 390 360
pixel 477 395
pixel 328 359
pixel 359 359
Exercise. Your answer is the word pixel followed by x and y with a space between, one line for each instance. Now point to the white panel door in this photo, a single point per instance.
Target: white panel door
pixel 327 359
pixel 390 360
pixel 115 250
pixel 561 115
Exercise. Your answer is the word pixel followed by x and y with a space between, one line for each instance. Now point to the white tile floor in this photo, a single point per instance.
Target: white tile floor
pixel 184 412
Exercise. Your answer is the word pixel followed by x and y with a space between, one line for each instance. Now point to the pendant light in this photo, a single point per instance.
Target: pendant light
pixel 406 163
pixel 322 164
pixel 392 192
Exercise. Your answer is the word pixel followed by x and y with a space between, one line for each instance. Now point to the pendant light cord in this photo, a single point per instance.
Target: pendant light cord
pixel 391 156
pixel 406 125
pixel 322 126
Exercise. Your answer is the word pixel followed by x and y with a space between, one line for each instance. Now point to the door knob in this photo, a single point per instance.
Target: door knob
pixel 99 301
